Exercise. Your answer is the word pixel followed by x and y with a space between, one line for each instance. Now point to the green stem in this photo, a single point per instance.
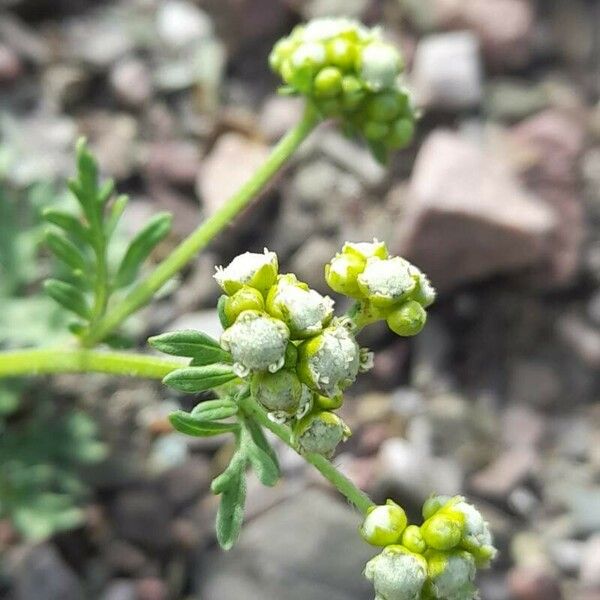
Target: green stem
pixel 200 238
pixel 324 466
pixel 60 360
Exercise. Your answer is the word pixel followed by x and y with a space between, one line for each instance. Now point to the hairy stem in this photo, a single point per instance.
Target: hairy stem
pixel 61 360
pixel 142 293
pixel 324 466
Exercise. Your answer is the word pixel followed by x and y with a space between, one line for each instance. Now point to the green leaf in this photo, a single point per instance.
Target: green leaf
pixel 203 349
pixel 230 515
pixel 262 458
pixel 66 251
pixel 235 469
pixel 67 222
pixel 221 311
pixel 68 296
pixel 191 425
pixel 116 210
pixel 199 379
pixel 106 191
pixel 87 168
pixel 141 246
pixel 215 410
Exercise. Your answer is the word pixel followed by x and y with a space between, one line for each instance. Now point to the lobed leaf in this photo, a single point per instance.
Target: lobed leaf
pixel 115 213
pixel 66 251
pixel 230 515
pixel 203 349
pixel 190 425
pixel 215 410
pixel 141 246
pixel 67 222
pixel 260 454
pixel 68 296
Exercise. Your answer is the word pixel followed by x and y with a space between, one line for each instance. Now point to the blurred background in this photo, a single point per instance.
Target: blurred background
pixel 498 199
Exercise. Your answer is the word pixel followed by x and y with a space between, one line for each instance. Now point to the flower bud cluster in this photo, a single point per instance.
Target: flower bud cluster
pixel 347 70
pixel 386 287
pixel 283 337
pixel 435 561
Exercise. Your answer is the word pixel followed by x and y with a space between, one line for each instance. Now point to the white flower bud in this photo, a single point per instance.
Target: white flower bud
pixel 257 342
pixel 320 432
pixel 424 293
pixel 381 64
pixel 477 537
pixel 330 361
pixel 256 270
pixel 303 310
pixel 451 575
pixel 397 574
pixel 387 282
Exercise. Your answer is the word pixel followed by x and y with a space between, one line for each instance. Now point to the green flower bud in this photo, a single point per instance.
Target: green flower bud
pixel 451 575
pixel 413 539
pixel 291 356
pixel 328 82
pixel 384 524
pixel 433 504
pixel 341 53
pixel 366 250
pixel 408 319
pixel 397 574
pixel 253 269
pixel 342 274
pixel 401 133
pixel 328 363
pixel 380 65
pixel 375 130
pixel 386 106
pixel 257 342
pixel 246 298
pixel 278 392
pixel 320 432
pixel 386 282
pixel 303 310
pixel 444 530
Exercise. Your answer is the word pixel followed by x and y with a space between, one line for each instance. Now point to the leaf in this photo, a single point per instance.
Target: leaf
pixel 215 410
pixel 67 222
pixel 116 210
pixel 141 246
pixel 221 311
pixel 199 379
pixel 87 168
pixel 194 344
pixel 230 515
pixel 106 191
pixel 68 296
pixel 261 455
pixel 190 425
pixel 236 468
pixel 66 251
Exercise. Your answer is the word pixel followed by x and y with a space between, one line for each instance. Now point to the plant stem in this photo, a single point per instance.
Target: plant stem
pixel 337 479
pixel 60 360
pixel 200 238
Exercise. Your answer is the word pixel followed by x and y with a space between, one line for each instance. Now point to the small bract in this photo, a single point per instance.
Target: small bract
pixel 386 282
pixel 330 361
pixel 384 524
pixel 303 310
pixel 397 574
pixel 257 342
pixel 253 269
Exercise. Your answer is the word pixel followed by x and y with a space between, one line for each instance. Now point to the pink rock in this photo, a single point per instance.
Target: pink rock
pixel 504 27
pixel 466 217
pixel 11 67
pixel 530 583
pixel 229 165
pixel 176 161
pixel 131 82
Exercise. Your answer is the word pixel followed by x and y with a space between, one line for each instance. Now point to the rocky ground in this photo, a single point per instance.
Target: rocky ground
pixel 498 200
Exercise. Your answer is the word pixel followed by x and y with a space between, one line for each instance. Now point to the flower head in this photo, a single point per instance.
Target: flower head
pixel 451 575
pixel 252 269
pixel 320 432
pixel 257 342
pixel 329 362
pixel 386 282
pixel 279 392
pixel 397 574
pixel 303 310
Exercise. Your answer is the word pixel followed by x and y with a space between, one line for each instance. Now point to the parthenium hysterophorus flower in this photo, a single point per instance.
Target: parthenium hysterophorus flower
pixel 284 360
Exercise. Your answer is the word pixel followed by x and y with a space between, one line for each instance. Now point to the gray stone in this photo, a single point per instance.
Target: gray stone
pixel 278 115
pixel 535 383
pixel 581 338
pixel 231 162
pixel 304 549
pixel 466 217
pixel 589 573
pixel 533 583
pixel 120 589
pixel 309 261
pixel 514 99
pixel 447 71
pixel 42 568
pixel 176 161
pixel 203 320
pixel 11 67
pixel 180 23
pixel 131 82
pixel 185 484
